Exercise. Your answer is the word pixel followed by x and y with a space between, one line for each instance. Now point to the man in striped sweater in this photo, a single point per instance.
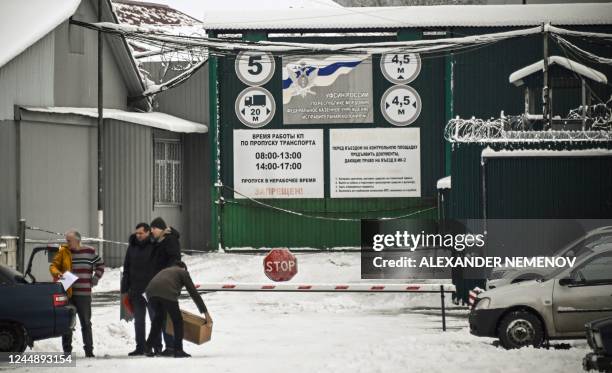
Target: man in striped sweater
pixel 88 267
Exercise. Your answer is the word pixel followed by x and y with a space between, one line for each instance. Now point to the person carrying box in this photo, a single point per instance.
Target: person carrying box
pixel 162 293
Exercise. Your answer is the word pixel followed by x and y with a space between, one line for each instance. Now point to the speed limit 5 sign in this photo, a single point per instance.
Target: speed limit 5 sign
pixel 254 68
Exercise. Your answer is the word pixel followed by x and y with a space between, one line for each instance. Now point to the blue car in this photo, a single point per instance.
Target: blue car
pixel 31 311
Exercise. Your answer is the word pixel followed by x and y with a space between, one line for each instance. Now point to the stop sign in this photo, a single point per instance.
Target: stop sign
pixel 280 265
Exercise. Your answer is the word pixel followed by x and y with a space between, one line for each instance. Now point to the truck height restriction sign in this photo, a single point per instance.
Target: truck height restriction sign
pixel 280 265
pixel 255 107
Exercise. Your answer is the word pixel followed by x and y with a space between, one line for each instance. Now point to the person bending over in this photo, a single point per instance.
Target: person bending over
pixel 163 292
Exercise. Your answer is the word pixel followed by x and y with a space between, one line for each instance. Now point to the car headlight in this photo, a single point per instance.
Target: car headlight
pixel 496 275
pixel 483 304
pixel 595 338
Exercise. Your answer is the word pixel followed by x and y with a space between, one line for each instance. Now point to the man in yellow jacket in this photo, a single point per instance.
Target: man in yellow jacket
pixel 89 268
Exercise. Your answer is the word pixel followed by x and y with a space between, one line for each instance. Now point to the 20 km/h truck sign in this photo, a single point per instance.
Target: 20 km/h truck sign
pixel 280 265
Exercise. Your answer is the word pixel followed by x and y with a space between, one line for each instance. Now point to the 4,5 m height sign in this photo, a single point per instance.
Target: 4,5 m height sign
pixel 278 163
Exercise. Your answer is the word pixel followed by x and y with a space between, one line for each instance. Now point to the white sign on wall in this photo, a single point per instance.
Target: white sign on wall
pixel 278 163
pixel 255 107
pixel 401 105
pixel 254 68
pixel 375 162
pixel 400 68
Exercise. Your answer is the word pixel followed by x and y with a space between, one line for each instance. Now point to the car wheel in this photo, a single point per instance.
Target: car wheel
pixel 519 329
pixel 12 338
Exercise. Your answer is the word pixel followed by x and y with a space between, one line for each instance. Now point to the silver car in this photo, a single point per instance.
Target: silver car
pixel 555 307
pixel 596 239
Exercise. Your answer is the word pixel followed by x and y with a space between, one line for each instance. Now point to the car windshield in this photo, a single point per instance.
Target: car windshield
pixel 600 247
pixel 585 246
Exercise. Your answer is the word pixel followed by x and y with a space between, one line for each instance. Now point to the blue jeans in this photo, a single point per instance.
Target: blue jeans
pixel 141 306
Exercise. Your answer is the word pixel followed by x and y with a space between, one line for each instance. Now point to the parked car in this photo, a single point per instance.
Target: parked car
pixel 595 239
pixel 599 336
pixel 555 307
pixel 30 310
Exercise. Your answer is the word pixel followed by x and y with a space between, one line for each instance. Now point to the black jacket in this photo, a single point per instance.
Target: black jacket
pixel 138 265
pixel 167 249
pixel 168 283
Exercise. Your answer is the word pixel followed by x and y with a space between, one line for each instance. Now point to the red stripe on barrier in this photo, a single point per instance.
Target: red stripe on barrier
pixel 341 287
pixel 268 287
pixel 413 288
pixel 304 287
pixel 377 288
pixel 228 286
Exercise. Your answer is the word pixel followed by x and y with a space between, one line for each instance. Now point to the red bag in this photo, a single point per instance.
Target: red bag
pixel 128 305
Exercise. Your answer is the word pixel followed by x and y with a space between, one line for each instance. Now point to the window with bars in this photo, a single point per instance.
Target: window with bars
pixel 168 172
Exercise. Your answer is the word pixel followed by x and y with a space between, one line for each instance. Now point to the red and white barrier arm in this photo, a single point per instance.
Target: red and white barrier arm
pixel 330 288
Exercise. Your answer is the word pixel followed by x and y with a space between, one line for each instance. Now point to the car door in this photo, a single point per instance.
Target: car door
pixel 587 297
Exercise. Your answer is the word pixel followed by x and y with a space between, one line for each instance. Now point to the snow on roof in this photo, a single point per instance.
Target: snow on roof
pixel 160 17
pixel 144 13
pixel 156 120
pixel 444 183
pixel 596 152
pixel 517 76
pixel 411 16
pixel 23 23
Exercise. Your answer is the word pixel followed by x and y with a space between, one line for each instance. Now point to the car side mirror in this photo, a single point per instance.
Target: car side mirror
pixel 566 281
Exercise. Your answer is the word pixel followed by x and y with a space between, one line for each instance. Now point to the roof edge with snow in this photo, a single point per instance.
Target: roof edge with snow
pixel 359 18
pixel 154 119
pixel 595 152
pixel 17 42
pixel 536 67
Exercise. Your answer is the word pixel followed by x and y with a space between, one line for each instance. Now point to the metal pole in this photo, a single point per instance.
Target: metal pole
pixel 484 193
pixel 546 109
pixel 21 247
pixel 583 104
pixel 100 138
pixel 443 308
pixel 213 136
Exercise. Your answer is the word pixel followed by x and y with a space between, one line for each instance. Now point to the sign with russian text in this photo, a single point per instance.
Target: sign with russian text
pixel 278 163
pixel 375 162
pixel 327 89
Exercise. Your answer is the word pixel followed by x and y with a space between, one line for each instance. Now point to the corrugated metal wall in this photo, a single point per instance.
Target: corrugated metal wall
pixel 28 78
pixel 128 183
pixel 481 86
pixel 247 225
pixel 8 175
pixel 188 100
pixel 196 191
pixel 58 176
pixel 128 177
pixel 81 91
pixel 528 187
pixel 549 188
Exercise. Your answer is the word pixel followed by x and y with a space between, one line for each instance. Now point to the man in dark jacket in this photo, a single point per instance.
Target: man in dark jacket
pixel 167 252
pixel 167 246
pixel 139 267
pixel 163 292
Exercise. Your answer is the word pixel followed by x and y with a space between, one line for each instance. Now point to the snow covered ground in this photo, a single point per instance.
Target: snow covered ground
pixel 288 332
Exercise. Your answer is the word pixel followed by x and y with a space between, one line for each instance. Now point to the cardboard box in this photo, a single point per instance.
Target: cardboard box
pixel 195 328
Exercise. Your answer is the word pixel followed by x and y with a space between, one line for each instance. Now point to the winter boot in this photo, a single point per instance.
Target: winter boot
pixel 137 352
pixel 149 351
pixel 181 353
pixel 167 352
